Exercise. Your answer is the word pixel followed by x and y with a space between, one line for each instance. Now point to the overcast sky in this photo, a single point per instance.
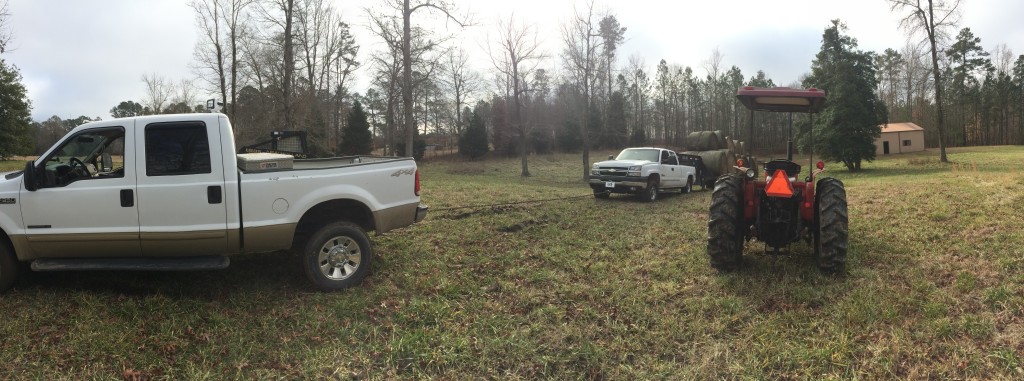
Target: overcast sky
pixel 83 57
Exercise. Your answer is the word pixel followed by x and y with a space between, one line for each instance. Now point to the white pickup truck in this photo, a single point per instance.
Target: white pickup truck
pixel 641 171
pixel 168 192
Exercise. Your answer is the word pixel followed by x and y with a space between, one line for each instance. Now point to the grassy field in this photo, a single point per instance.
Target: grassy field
pixel 576 289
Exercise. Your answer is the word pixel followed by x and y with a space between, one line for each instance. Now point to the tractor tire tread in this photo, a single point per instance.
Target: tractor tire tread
pixel 725 238
pixel 833 225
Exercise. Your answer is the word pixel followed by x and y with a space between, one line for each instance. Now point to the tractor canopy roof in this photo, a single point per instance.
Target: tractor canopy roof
pixel 781 99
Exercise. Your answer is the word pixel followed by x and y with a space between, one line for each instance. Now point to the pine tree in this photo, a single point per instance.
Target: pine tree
pixel 356 138
pixel 15 113
pixel 473 142
pixel 846 129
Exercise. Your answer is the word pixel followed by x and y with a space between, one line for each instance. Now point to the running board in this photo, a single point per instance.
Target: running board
pixel 133 264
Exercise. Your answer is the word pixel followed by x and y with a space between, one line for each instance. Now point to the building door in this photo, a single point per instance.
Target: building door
pixel 885 148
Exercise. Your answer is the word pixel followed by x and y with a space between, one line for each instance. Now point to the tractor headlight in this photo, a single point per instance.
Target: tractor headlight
pixel 633 170
pixel 750 173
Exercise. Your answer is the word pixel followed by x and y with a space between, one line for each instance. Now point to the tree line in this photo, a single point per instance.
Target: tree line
pixel 288 65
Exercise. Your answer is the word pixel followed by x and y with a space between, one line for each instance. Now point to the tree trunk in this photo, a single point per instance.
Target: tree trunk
pixel 938 84
pixel 410 123
pixel 289 64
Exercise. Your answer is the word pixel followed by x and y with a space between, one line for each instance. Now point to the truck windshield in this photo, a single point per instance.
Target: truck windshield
pixel 639 154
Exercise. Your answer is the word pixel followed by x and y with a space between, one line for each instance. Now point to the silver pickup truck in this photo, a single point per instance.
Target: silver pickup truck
pixel 168 192
pixel 641 171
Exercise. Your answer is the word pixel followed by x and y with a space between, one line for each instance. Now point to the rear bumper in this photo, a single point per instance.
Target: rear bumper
pixel 421 212
pixel 398 217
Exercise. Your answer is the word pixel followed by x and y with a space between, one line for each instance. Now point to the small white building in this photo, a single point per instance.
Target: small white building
pixel 899 138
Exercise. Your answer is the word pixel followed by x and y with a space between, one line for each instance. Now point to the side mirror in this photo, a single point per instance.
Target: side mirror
pixel 31 183
pixel 610 157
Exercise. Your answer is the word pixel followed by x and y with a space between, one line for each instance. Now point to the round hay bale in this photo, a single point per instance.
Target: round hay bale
pixel 720 143
pixel 716 161
pixel 708 141
pixel 693 141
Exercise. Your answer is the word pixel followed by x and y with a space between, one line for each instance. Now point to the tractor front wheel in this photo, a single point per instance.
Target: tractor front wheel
pixel 832 235
pixel 725 219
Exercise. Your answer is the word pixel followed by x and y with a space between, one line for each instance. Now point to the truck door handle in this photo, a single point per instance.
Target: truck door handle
pixel 127 198
pixel 213 195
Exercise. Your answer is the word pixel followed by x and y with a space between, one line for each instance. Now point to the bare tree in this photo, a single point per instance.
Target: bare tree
pixel 313 19
pixel 713 66
pixel 915 76
pixel 281 13
pixel 461 80
pixel 407 10
pixel 933 18
pixel 388 66
pixel 5 34
pixel 583 39
pixel 236 19
pixel 186 94
pixel 209 52
pixel 158 91
pixel 516 57
pixel 221 25
pixel 1002 58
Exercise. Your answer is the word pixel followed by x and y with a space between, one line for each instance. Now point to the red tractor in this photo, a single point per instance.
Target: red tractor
pixel 781 208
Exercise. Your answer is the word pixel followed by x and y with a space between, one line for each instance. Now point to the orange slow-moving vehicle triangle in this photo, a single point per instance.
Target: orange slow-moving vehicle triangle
pixel 779 185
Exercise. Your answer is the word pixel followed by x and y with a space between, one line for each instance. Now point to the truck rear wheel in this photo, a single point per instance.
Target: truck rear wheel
pixel 832 235
pixel 725 237
pixel 337 256
pixel 8 267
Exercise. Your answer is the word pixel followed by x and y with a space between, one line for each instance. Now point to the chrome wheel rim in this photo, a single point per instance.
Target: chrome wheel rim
pixel 339 258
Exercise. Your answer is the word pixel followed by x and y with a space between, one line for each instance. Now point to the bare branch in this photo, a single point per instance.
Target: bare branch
pixel 5 34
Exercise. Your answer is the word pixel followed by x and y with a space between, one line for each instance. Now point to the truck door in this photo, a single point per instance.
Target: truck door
pixel 181 189
pixel 84 207
pixel 671 174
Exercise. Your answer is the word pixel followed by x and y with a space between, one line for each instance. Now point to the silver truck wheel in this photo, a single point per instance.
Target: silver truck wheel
pixel 337 256
pixel 8 267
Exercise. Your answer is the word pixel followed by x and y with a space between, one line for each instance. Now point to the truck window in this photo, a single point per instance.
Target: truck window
pixel 180 148
pixel 668 159
pixel 85 156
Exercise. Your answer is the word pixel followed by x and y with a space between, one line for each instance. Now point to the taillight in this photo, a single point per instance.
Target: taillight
pixel 417 187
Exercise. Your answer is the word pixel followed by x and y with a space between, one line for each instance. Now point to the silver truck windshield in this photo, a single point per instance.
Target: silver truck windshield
pixel 639 154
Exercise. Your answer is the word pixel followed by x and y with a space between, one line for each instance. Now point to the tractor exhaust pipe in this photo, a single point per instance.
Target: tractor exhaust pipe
pixel 789 143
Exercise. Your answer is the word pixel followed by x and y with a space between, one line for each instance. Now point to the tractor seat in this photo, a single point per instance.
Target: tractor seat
pixel 792 169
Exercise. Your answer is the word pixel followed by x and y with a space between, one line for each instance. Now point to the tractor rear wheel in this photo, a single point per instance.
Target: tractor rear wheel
pixel 725 218
pixel 832 235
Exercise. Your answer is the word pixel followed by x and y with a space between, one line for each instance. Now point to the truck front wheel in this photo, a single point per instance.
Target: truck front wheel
pixel 8 267
pixel 650 194
pixel 337 256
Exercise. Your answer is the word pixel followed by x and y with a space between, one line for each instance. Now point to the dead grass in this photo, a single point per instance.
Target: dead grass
pixel 575 289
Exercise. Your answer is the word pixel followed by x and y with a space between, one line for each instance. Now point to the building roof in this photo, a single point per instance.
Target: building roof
pixel 900 127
